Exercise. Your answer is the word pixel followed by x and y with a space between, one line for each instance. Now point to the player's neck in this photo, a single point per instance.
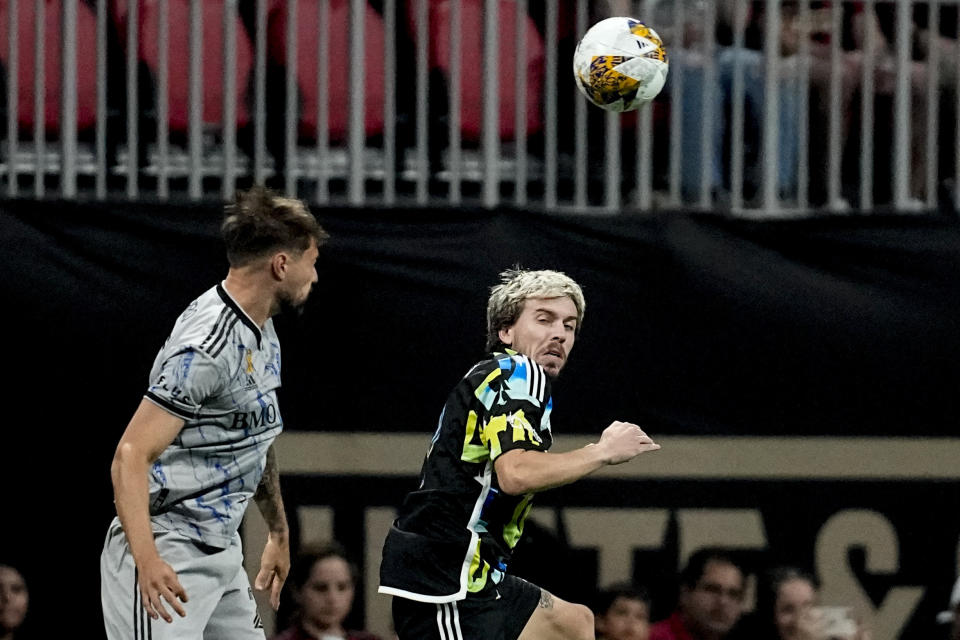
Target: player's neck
pixel 252 296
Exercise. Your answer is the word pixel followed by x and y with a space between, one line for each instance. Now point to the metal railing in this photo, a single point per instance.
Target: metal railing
pixel 853 112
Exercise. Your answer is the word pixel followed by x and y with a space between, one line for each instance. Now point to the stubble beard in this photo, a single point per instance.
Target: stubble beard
pixel 286 305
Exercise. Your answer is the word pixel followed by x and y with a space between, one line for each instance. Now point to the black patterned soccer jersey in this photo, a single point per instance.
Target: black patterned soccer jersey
pixel 455 533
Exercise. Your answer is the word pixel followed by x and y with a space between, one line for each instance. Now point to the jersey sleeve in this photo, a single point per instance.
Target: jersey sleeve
pixel 515 399
pixel 184 380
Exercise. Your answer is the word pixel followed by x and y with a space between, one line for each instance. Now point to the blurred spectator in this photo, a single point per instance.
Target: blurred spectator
pixel 952 615
pixel 811 30
pixel 622 612
pixel 881 20
pixel 787 610
pixel 944 36
pixel 323 586
pixel 14 601
pixel 692 50
pixel 805 46
pixel 710 601
pixel 686 44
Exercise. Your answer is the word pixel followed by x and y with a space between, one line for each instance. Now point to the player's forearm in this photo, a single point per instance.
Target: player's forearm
pixel 532 471
pixel 268 497
pixel 131 496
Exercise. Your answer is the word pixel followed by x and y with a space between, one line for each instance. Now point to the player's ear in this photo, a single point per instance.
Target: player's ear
pixel 506 335
pixel 278 265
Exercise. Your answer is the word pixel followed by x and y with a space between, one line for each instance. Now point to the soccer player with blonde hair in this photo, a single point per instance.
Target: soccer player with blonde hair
pixel 446 557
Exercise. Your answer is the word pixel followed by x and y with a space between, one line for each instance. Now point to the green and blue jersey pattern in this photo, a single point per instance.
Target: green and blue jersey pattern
pixel 456 532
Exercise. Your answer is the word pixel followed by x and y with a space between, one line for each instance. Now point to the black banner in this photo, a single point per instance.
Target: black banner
pixel 696 326
pixel 880 547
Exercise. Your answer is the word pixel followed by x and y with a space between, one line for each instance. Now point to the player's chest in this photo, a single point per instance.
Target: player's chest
pixel 254 368
pixel 250 390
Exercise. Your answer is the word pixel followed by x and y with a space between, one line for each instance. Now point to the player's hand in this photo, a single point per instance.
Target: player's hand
pixel 274 567
pixel 158 584
pixel 623 441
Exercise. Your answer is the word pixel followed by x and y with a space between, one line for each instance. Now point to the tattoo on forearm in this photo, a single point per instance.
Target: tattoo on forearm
pixel 546 600
pixel 268 494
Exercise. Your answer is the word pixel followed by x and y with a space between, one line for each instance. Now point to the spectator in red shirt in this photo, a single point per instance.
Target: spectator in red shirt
pixel 710 601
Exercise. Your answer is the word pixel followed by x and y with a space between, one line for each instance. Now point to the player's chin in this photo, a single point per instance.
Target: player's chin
pixel 300 297
pixel 290 306
pixel 552 368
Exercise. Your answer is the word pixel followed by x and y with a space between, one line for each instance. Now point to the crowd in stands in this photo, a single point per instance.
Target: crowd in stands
pixel 711 603
pixel 807 74
pixel 731 39
pixel 720 595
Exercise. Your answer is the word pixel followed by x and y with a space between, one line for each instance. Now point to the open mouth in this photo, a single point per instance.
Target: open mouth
pixel 556 353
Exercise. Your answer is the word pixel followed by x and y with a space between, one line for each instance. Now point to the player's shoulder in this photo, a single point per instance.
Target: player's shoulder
pixel 514 365
pixel 204 325
pixel 511 370
pixel 499 363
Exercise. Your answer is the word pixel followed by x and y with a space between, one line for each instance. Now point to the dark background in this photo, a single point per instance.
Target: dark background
pixel 695 325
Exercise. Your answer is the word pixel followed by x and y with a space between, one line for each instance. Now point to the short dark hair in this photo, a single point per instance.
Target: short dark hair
pixel 311 555
pixel 604 598
pixel 697 564
pixel 261 221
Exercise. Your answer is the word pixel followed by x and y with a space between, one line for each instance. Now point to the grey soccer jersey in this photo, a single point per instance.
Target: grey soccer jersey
pixel 220 373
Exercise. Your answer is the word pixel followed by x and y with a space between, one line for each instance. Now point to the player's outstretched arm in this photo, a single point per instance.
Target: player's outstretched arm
pixel 275 561
pixel 521 471
pixel 150 431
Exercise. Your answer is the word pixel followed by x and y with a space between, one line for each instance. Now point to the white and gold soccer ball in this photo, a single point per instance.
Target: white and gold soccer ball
pixel 620 64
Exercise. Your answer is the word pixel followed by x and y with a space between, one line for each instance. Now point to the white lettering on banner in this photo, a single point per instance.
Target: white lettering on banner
pixel 730 528
pixel 763 460
pixel 615 533
pixel 873 533
pixel 316 525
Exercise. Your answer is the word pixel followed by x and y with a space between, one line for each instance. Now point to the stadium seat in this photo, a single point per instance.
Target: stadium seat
pixel 52 63
pixel 340 65
pixel 179 58
pixel 471 68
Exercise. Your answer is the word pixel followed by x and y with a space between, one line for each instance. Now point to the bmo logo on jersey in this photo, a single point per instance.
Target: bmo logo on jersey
pixel 263 416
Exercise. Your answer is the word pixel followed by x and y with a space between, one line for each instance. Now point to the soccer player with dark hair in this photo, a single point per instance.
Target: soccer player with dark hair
pixel 446 557
pixel 200 445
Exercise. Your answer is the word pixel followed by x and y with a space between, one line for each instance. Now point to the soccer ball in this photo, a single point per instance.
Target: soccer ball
pixel 620 64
